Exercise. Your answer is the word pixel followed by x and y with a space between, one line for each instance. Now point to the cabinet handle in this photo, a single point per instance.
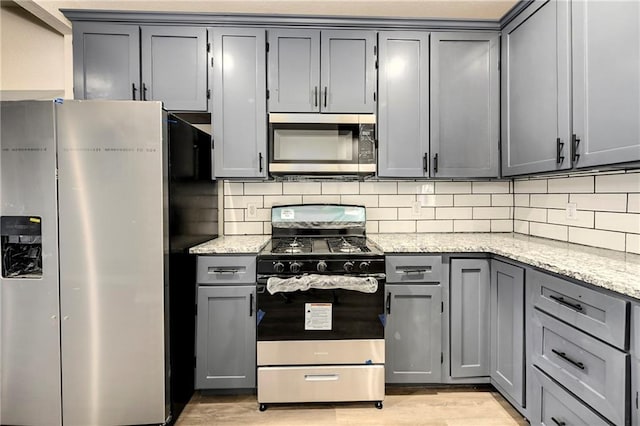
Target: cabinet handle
pixel 321 377
pixel 575 307
pixel 133 91
pixel 222 271
pixel 415 271
pixel 425 163
pixel 559 156
pixel 388 304
pixel 260 162
pixel 251 305
pixel 569 360
pixel 315 96
pixel 575 142
pixel 325 96
pixel 144 92
pixel 435 163
pixel 558 422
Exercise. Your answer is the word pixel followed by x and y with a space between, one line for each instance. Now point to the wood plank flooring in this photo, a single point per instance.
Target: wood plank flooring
pixel 402 406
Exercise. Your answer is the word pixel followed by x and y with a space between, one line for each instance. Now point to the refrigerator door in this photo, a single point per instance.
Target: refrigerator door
pixel 112 207
pixel 29 312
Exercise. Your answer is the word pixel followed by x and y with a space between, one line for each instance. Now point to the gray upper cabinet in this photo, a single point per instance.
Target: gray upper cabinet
pixel 465 120
pixel 106 61
pixel 403 104
pixel 507 330
pixel 469 317
pixel 239 110
pixel 322 71
pixel 174 68
pixel 129 62
pixel 606 81
pixel 536 89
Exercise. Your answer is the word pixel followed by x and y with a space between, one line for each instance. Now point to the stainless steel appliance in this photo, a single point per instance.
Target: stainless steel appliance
pixel 320 308
pixel 322 144
pixel 84 239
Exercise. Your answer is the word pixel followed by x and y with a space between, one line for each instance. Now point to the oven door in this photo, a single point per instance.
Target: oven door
pixel 317 314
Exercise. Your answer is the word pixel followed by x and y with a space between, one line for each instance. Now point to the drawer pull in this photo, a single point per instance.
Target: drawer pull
pixel 558 422
pixel 222 271
pixel 415 271
pixel 569 360
pixel 321 377
pixel 575 307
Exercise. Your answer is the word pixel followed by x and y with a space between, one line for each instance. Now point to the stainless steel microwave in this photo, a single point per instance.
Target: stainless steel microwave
pixel 322 144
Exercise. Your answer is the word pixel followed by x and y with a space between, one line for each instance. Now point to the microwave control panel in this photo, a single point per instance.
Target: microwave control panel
pixel 367 144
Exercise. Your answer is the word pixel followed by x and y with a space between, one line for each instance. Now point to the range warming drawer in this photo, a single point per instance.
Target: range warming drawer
pixel 321 352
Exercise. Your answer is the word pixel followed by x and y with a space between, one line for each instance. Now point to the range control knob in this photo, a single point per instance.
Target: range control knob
pixel 278 267
pixel 321 266
pixel 364 266
pixel 348 266
pixel 295 267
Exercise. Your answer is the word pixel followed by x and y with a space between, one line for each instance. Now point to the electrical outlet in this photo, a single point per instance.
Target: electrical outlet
pixel 415 209
pixel 572 211
pixel 251 211
pixel 427 188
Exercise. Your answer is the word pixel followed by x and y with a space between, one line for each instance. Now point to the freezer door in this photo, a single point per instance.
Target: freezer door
pixel 29 312
pixel 112 201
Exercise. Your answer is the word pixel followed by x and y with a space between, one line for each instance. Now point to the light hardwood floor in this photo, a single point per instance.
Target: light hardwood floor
pixel 402 406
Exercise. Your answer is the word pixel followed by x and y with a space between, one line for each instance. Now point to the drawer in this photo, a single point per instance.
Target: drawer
pixel 226 270
pixel 413 269
pixel 321 384
pixel 551 405
pixel 320 352
pixel 594 312
pixel 592 370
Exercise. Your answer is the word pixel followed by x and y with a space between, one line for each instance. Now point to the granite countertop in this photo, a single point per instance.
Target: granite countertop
pixel 232 244
pixel 609 269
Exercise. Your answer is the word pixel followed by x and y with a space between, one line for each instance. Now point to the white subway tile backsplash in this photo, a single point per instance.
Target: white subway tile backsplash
pixel 386 213
pixel 521 226
pixel 600 202
pixel 402 226
pixel 624 182
pixel 262 215
pixel 492 212
pixel 304 188
pixel 633 243
pixel 320 199
pixel 281 200
pixel 498 200
pixel 597 238
pixel 633 203
pixel 243 228
pixel 572 184
pixel 453 187
pixel 233 188
pixel 431 200
pixel 550 201
pixel 531 186
pixel 471 226
pixel 406 213
pixel 340 187
pixel 378 188
pixel 241 201
pixel 623 222
pixel 545 230
pixel 583 219
pixel 404 200
pixel 263 188
pixel 492 187
pixel 416 187
pixel 530 214
pixel 521 200
pixel 267 228
pixel 372 227
pixel 454 213
pixel 434 226
pixel 361 200
pixel 472 200
pixel 233 215
pixel 501 225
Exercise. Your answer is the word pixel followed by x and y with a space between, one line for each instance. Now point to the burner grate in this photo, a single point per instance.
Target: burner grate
pixel 348 245
pixel 294 245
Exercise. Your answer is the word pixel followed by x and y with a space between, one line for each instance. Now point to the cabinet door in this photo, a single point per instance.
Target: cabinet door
pixel 174 67
pixel 469 316
pixel 413 333
pixel 226 337
pixel 348 72
pixel 239 108
pixel 606 81
pixel 464 105
pixel 507 329
pixel 403 104
pixel 106 61
pixel 294 71
pixel 536 90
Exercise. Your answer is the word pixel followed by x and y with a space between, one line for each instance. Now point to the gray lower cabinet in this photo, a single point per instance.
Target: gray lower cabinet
pixel 606 81
pixel 413 333
pixel 403 104
pixel 469 317
pixel 465 104
pixel 226 337
pixel 507 330
pixel 239 110
pixel 536 89
pixel 635 365
pixel 131 62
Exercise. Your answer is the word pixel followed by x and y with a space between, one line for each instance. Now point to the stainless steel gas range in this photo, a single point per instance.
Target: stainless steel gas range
pixel 320 308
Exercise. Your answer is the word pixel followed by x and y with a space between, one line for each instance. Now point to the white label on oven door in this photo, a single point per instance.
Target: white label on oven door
pixel 287 214
pixel 317 316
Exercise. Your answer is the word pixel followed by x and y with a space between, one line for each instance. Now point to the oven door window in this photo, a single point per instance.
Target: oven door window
pixel 318 144
pixel 354 315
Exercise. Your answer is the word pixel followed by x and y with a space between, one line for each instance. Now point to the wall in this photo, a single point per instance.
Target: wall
pixel 608 209
pixel 481 206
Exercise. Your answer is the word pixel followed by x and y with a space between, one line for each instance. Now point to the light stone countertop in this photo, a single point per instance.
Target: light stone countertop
pixel 609 269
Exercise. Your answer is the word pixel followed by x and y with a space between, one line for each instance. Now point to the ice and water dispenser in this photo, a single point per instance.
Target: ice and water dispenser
pixel 21 245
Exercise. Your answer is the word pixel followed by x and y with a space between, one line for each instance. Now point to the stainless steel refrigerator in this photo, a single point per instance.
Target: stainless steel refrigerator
pixel 84 308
